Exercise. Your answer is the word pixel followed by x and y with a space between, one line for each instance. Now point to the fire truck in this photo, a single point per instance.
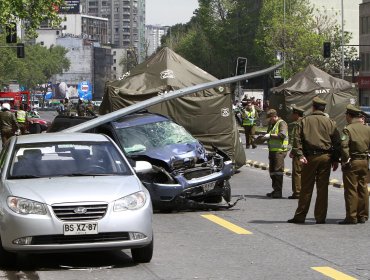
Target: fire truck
pixel 15 98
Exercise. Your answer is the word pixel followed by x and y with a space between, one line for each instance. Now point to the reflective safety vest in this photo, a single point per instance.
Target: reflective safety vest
pixel 21 116
pixel 249 117
pixel 278 145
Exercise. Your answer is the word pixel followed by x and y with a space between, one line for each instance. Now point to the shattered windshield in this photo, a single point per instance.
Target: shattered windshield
pixel 140 138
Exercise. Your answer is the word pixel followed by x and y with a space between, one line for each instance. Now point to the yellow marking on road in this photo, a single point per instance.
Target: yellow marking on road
pixel 332 273
pixel 230 226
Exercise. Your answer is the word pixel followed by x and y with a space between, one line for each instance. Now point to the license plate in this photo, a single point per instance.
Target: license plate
pixel 80 228
pixel 208 186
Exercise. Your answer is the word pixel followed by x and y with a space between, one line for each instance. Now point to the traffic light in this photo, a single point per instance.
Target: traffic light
pixel 326 49
pixel 20 50
pixel 241 66
pixel 11 33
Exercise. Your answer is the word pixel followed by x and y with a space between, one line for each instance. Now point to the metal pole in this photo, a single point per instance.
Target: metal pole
pixel 284 46
pixel 342 68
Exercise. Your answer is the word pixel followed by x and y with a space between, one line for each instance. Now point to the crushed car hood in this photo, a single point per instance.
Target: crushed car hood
pixel 74 189
pixel 177 152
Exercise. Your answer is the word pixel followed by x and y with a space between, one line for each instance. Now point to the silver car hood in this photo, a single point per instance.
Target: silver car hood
pixel 74 189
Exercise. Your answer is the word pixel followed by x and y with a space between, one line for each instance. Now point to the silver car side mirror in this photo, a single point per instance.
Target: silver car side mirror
pixel 143 167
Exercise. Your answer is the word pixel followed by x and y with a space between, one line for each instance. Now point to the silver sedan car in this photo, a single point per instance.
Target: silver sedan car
pixel 71 192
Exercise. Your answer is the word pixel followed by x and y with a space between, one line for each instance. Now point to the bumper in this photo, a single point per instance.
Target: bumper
pixel 193 189
pixel 114 231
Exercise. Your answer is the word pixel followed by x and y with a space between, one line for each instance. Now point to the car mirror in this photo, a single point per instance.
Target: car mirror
pixel 143 167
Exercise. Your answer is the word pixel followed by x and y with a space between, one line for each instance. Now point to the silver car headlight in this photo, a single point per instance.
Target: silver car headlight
pixel 131 202
pixel 25 206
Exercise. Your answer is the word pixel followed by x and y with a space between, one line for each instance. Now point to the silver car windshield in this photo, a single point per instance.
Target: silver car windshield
pixel 144 137
pixel 66 159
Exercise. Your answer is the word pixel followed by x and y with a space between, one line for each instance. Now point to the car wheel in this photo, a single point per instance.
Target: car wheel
pixel 7 259
pixel 37 128
pixel 143 254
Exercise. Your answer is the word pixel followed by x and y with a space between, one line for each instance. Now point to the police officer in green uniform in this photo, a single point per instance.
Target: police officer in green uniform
pixel 277 137
pixel 8 123
pixel 249 117
pixel 297 114
pixel 355 148
pixel 21 117
pixel 317 145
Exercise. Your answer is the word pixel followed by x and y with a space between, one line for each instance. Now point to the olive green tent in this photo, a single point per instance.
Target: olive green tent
pixel 207 115
pixel 311 82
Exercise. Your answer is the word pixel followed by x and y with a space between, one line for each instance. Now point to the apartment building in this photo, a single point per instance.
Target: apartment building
pixel 364 77
pixel 126 22
pixel 153 35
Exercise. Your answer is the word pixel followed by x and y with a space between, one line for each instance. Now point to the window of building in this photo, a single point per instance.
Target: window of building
pixel 114 68
pixel 114 61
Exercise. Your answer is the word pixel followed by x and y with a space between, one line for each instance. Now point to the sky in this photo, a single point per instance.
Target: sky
pixel 169 12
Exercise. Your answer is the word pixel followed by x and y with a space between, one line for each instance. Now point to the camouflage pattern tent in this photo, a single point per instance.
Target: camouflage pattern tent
pixel 304 86
pixel 207 115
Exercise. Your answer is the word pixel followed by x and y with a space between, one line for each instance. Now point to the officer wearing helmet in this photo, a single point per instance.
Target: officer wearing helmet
pixel 8 123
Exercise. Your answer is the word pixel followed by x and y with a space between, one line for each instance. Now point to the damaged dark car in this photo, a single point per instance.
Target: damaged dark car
pixel 184 174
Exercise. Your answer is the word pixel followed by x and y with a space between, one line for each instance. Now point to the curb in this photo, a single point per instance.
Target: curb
pixel 251 163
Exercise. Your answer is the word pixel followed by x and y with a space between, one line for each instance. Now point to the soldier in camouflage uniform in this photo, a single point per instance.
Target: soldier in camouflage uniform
pixel 355 148
pixel 317 145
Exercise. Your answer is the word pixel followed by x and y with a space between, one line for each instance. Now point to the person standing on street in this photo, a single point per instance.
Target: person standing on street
pixel 297 114
pixel 81 111
pixel 21 117
pixel 277 137
pixel 8 123
pixel 249 117
pixel 355 148
pixel 317 145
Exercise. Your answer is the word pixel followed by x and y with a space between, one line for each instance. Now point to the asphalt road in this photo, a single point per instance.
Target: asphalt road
pixel 250 241
pixel 189 245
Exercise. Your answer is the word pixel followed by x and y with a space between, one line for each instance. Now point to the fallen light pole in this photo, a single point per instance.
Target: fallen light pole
pixel 165 97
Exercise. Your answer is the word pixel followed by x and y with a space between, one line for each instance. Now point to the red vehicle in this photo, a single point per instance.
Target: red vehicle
pixel 15 98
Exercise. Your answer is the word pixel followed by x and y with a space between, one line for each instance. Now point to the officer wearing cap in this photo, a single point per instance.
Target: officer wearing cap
pixel 317 145
pixel 355 148
pixel 297 114
pixel 249 117
pixel 277 137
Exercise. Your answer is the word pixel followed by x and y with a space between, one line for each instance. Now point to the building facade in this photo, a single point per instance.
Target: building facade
pixel 153 35
pixel 333 8
pixel 126 22
pixel 364 77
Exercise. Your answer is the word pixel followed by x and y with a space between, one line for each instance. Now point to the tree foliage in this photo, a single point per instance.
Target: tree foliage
pixel 223 30
pixel 38 66
pixel 30 12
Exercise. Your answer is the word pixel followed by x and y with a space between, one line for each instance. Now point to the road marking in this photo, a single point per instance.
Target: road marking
pixel 226 224
pixel 332 273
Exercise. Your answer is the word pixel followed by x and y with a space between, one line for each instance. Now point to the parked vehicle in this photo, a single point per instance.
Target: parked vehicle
pixel 184 174
pixel 72 192
pixel 366 110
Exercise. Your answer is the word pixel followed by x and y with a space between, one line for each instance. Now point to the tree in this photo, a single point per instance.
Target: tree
pixel 31 12
pixel 38 66
pixel 298 33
